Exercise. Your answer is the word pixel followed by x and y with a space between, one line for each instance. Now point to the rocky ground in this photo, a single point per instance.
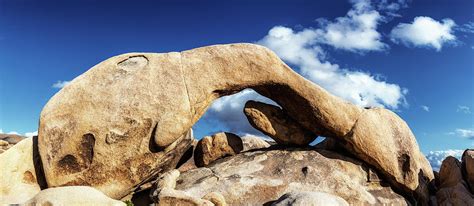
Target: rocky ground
pixel 127 139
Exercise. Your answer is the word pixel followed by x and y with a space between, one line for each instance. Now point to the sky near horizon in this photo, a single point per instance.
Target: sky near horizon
pixel 413 57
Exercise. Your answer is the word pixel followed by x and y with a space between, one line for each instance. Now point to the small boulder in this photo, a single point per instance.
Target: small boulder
pixel 17 176
pixel 274 122
pixel 211 148
pixel 72 195
pixel 306 198
pixel 253 142
pixel 468 168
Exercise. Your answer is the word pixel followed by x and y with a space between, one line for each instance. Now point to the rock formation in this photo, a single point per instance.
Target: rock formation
pixel 452 187
pixel 253 142
pixel 274 122
pixel 468 168
pixel 263 176
pixel 8 140
pixel 142 105
pixel 17 176
pixel 214 147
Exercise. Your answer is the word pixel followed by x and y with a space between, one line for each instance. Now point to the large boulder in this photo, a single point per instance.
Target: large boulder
pixel 258 177
pixel 468 168
pixel 138 104
pixel 72 195
pixel 211 148
pixel 452 187
pixel 274 122
pixel 18 177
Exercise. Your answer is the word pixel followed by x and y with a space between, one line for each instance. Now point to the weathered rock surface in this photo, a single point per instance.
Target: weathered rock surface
pixel 468 168
pixel 8 140
pixel 452 188
pixel 253 142
pixel 274 122
pixel 72 195
pixel 17 176
pixel 136 104
pixel 258 177
pixel 384 140
pixel 211 148
pixel 309 199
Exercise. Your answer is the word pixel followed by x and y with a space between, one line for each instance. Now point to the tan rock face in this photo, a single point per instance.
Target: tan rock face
pixel 73 195
pixel 17 176
pixel 138 104
pixel 274 122
pixel 384 140
pixel 211 148
pixel 468 168
pixel 258 177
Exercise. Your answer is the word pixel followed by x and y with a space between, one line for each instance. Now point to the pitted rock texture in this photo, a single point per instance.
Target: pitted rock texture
pixel 137 104
pixel 258 177
pixel 211 148
pixel 18 177
pixel 274 122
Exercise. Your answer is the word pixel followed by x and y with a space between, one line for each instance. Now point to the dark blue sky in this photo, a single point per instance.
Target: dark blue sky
pixel 42 42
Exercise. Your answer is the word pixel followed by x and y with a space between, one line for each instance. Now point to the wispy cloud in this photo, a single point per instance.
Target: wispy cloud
pixel 464 109
pixel 424 32
pixel 60 84
pixel 425 108
pixel 467 27
pixel 31 134
pixel 436 157
pixel 466 133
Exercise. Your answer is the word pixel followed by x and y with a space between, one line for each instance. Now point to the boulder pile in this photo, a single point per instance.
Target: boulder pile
pixel 122 130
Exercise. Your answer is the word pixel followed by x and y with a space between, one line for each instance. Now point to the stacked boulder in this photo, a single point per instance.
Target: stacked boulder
pixel 456 180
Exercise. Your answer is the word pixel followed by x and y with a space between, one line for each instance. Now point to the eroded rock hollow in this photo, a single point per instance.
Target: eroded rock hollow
pixel 127 119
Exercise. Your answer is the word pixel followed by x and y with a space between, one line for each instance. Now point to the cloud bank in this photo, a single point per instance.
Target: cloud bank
pixel 424 32
pixel 436 157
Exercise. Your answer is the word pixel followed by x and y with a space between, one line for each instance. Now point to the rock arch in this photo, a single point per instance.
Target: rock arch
pixel 131 99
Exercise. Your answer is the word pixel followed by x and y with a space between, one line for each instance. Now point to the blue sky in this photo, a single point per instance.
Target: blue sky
pixel 414 57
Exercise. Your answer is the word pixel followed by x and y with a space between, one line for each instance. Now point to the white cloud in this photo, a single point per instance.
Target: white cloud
pixel 357 31
pixel 361 88
pixel 424 32
pixel 1 131
pixel 425 108
pixel 13 132
pixel 60 84
pixel 31 134
pixel 464 109
pixel 466 133
pixel 436 157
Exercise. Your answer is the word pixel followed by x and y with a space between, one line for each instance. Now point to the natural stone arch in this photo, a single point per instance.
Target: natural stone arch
pixel 135 100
